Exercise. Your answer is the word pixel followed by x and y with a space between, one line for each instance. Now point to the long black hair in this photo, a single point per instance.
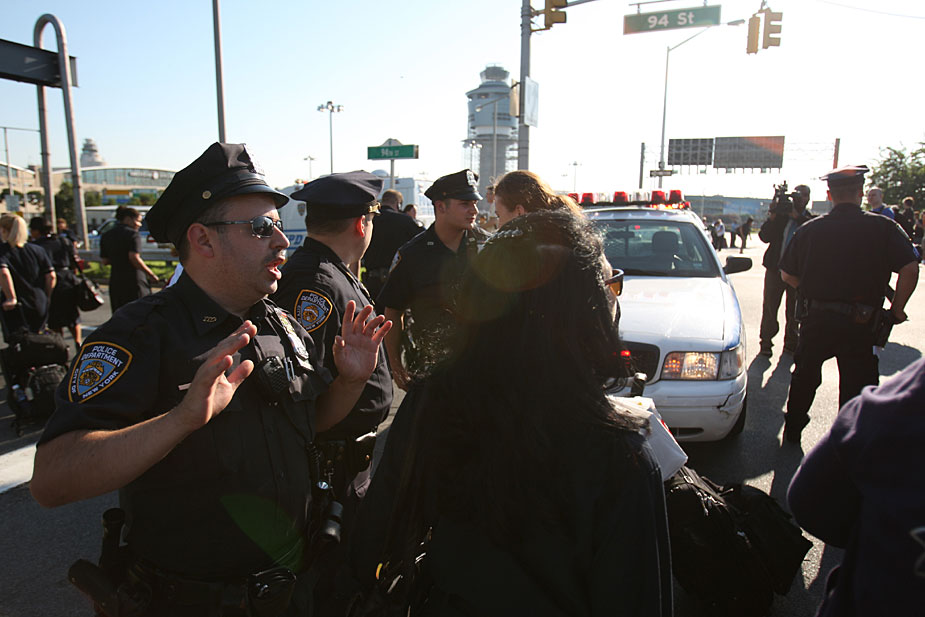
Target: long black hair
pixel 524 389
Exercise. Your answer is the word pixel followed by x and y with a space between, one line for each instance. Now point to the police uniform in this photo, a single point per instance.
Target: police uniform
pixel 843 260
pixel 392 230
pixel 316 287
pixel 126 282
pixel 425 274
pixel 234 498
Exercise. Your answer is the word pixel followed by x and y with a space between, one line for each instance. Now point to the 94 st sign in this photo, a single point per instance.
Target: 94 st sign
pixel 671 20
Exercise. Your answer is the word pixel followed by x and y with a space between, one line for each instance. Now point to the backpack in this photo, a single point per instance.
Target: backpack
pixel 732 547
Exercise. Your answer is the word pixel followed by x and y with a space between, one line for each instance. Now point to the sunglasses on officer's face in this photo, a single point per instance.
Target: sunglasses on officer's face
pixel 615 282
pixel 261 226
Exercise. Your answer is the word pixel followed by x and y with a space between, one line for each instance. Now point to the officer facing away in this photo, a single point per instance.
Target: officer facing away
pixel 841 263
pixel 777 230
pixel 425 274
pixel 317 287
pixel 200 404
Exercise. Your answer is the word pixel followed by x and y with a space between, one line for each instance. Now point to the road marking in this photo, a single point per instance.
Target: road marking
pixel 16 467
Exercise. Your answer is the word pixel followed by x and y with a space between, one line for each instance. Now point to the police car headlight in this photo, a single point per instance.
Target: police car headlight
pixel 704 366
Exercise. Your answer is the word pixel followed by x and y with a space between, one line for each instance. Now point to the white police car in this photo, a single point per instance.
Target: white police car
pixel 680 323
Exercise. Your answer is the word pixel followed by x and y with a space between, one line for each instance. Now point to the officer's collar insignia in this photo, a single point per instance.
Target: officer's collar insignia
pixel 312 309
pixel 209 319
pixel 99 365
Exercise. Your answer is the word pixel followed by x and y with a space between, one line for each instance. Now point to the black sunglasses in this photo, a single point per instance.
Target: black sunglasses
pixel 261 226
pixel 615 282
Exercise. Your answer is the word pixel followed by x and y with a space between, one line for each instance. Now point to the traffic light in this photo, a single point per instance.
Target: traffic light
pixel 553 13
pixel 771 27
pixel 754 33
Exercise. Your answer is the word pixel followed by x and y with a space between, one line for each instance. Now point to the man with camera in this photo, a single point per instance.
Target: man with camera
pixel 786 213
pixel 842 263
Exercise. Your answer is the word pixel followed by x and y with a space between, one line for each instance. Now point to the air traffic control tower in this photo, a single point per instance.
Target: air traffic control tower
pixel 492 129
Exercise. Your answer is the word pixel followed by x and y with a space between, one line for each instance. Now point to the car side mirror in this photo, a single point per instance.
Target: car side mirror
pixel 737 264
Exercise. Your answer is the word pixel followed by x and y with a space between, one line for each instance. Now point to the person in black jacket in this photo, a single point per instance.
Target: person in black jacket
pixel 391 231
pixel 777 231
pixel 27 278
pixel 63 312
pixel 120 247
pixel 541 497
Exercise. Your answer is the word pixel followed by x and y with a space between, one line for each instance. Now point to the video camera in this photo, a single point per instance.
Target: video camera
pixel 783 201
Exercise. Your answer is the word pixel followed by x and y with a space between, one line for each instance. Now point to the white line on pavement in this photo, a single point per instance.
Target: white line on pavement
pixel 16 467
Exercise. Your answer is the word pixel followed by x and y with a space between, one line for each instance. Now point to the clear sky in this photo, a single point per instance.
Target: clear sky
pixel 845 68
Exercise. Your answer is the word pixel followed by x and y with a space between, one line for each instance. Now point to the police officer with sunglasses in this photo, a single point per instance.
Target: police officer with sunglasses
pixel 200 405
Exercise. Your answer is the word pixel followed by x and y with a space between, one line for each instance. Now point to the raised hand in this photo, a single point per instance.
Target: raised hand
pixel 211 390
pixel 356 348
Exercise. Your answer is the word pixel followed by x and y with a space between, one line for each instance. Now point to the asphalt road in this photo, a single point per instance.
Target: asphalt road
pixel 40 544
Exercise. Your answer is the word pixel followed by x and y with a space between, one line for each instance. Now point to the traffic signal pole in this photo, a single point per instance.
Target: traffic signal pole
pixel 523 131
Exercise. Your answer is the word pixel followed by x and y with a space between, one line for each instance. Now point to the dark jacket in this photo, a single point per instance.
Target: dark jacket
pixel 861 488
pixel 772 232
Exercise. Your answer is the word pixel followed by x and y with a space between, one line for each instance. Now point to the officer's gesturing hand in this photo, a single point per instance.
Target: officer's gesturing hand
pixel 211 390
pixel 356 348
pixel 356 351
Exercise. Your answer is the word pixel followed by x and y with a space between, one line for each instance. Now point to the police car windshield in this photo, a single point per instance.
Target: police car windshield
pixel 657 248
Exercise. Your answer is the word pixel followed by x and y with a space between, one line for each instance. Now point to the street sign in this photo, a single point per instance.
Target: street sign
pixel 655 173
pixel 671 20
pixel 392 152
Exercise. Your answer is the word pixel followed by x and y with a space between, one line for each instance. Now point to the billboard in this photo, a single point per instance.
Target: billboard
pixel 748 152
pixel 690 151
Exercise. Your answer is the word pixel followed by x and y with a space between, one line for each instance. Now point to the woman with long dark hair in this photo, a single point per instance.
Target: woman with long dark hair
pixel 540 497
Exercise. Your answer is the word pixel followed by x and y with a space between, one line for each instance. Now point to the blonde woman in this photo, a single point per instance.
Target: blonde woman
pixel 27 278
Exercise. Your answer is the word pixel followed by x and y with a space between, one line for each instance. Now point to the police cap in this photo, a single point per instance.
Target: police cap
pixel 341 196
pixel 846 176
pixel 223 170
pixel 461 185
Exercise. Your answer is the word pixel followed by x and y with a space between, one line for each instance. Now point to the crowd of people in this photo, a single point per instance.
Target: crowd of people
pixel 236 411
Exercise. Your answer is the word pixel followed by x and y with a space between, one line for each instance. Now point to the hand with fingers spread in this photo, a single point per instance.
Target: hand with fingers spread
pixel 356 349
pixel 212 390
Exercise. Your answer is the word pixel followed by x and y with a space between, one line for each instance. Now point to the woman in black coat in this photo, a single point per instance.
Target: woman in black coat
pixel 27 278
pixel 540 497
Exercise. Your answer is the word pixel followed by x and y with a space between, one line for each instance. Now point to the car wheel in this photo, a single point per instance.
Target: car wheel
pixel 739 426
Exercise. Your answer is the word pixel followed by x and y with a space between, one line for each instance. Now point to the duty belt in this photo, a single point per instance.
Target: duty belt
pixel 860 313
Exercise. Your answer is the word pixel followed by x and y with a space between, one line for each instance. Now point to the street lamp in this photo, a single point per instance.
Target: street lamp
pixel 309 158
pixel 661 158
pixel 331 108
pixel 575 165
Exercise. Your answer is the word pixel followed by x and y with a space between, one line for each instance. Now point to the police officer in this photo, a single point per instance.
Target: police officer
pixel 316 287
pixel 425 274
pixel 392 230
pixel 841 265
pixel 200 404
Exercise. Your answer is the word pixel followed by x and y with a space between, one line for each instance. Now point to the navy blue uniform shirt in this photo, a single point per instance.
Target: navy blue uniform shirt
pixel 862 488
pixel 847 255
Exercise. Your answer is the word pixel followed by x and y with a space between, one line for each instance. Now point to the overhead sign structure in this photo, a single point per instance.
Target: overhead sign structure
pixel 33 65
pixel 672 20
pixel 690 151
pixel 749 152
pixel 392 152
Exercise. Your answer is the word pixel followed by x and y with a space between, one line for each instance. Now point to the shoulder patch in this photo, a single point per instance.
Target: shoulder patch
pixel 312 309
pixel 99 366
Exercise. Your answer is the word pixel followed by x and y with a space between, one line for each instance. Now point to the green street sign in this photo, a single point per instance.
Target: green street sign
pixel 671 20
pixel 392 152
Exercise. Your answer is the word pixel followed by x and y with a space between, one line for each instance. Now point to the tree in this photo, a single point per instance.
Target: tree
pixel 64 202
pixel 901 174
pixel 92 198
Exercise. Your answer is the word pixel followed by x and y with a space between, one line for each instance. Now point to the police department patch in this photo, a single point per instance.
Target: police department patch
pixel 99 366
pixel 312 309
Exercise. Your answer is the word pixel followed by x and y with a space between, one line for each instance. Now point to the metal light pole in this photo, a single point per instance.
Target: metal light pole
pixel 331 108
pixel 309 158
pixel 219 87
pixel 575 176
pixel 661 157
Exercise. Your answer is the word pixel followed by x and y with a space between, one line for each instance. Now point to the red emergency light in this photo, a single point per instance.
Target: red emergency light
pixel 675 196
pixel 587 198
pixel 658 197
pixel 620 197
